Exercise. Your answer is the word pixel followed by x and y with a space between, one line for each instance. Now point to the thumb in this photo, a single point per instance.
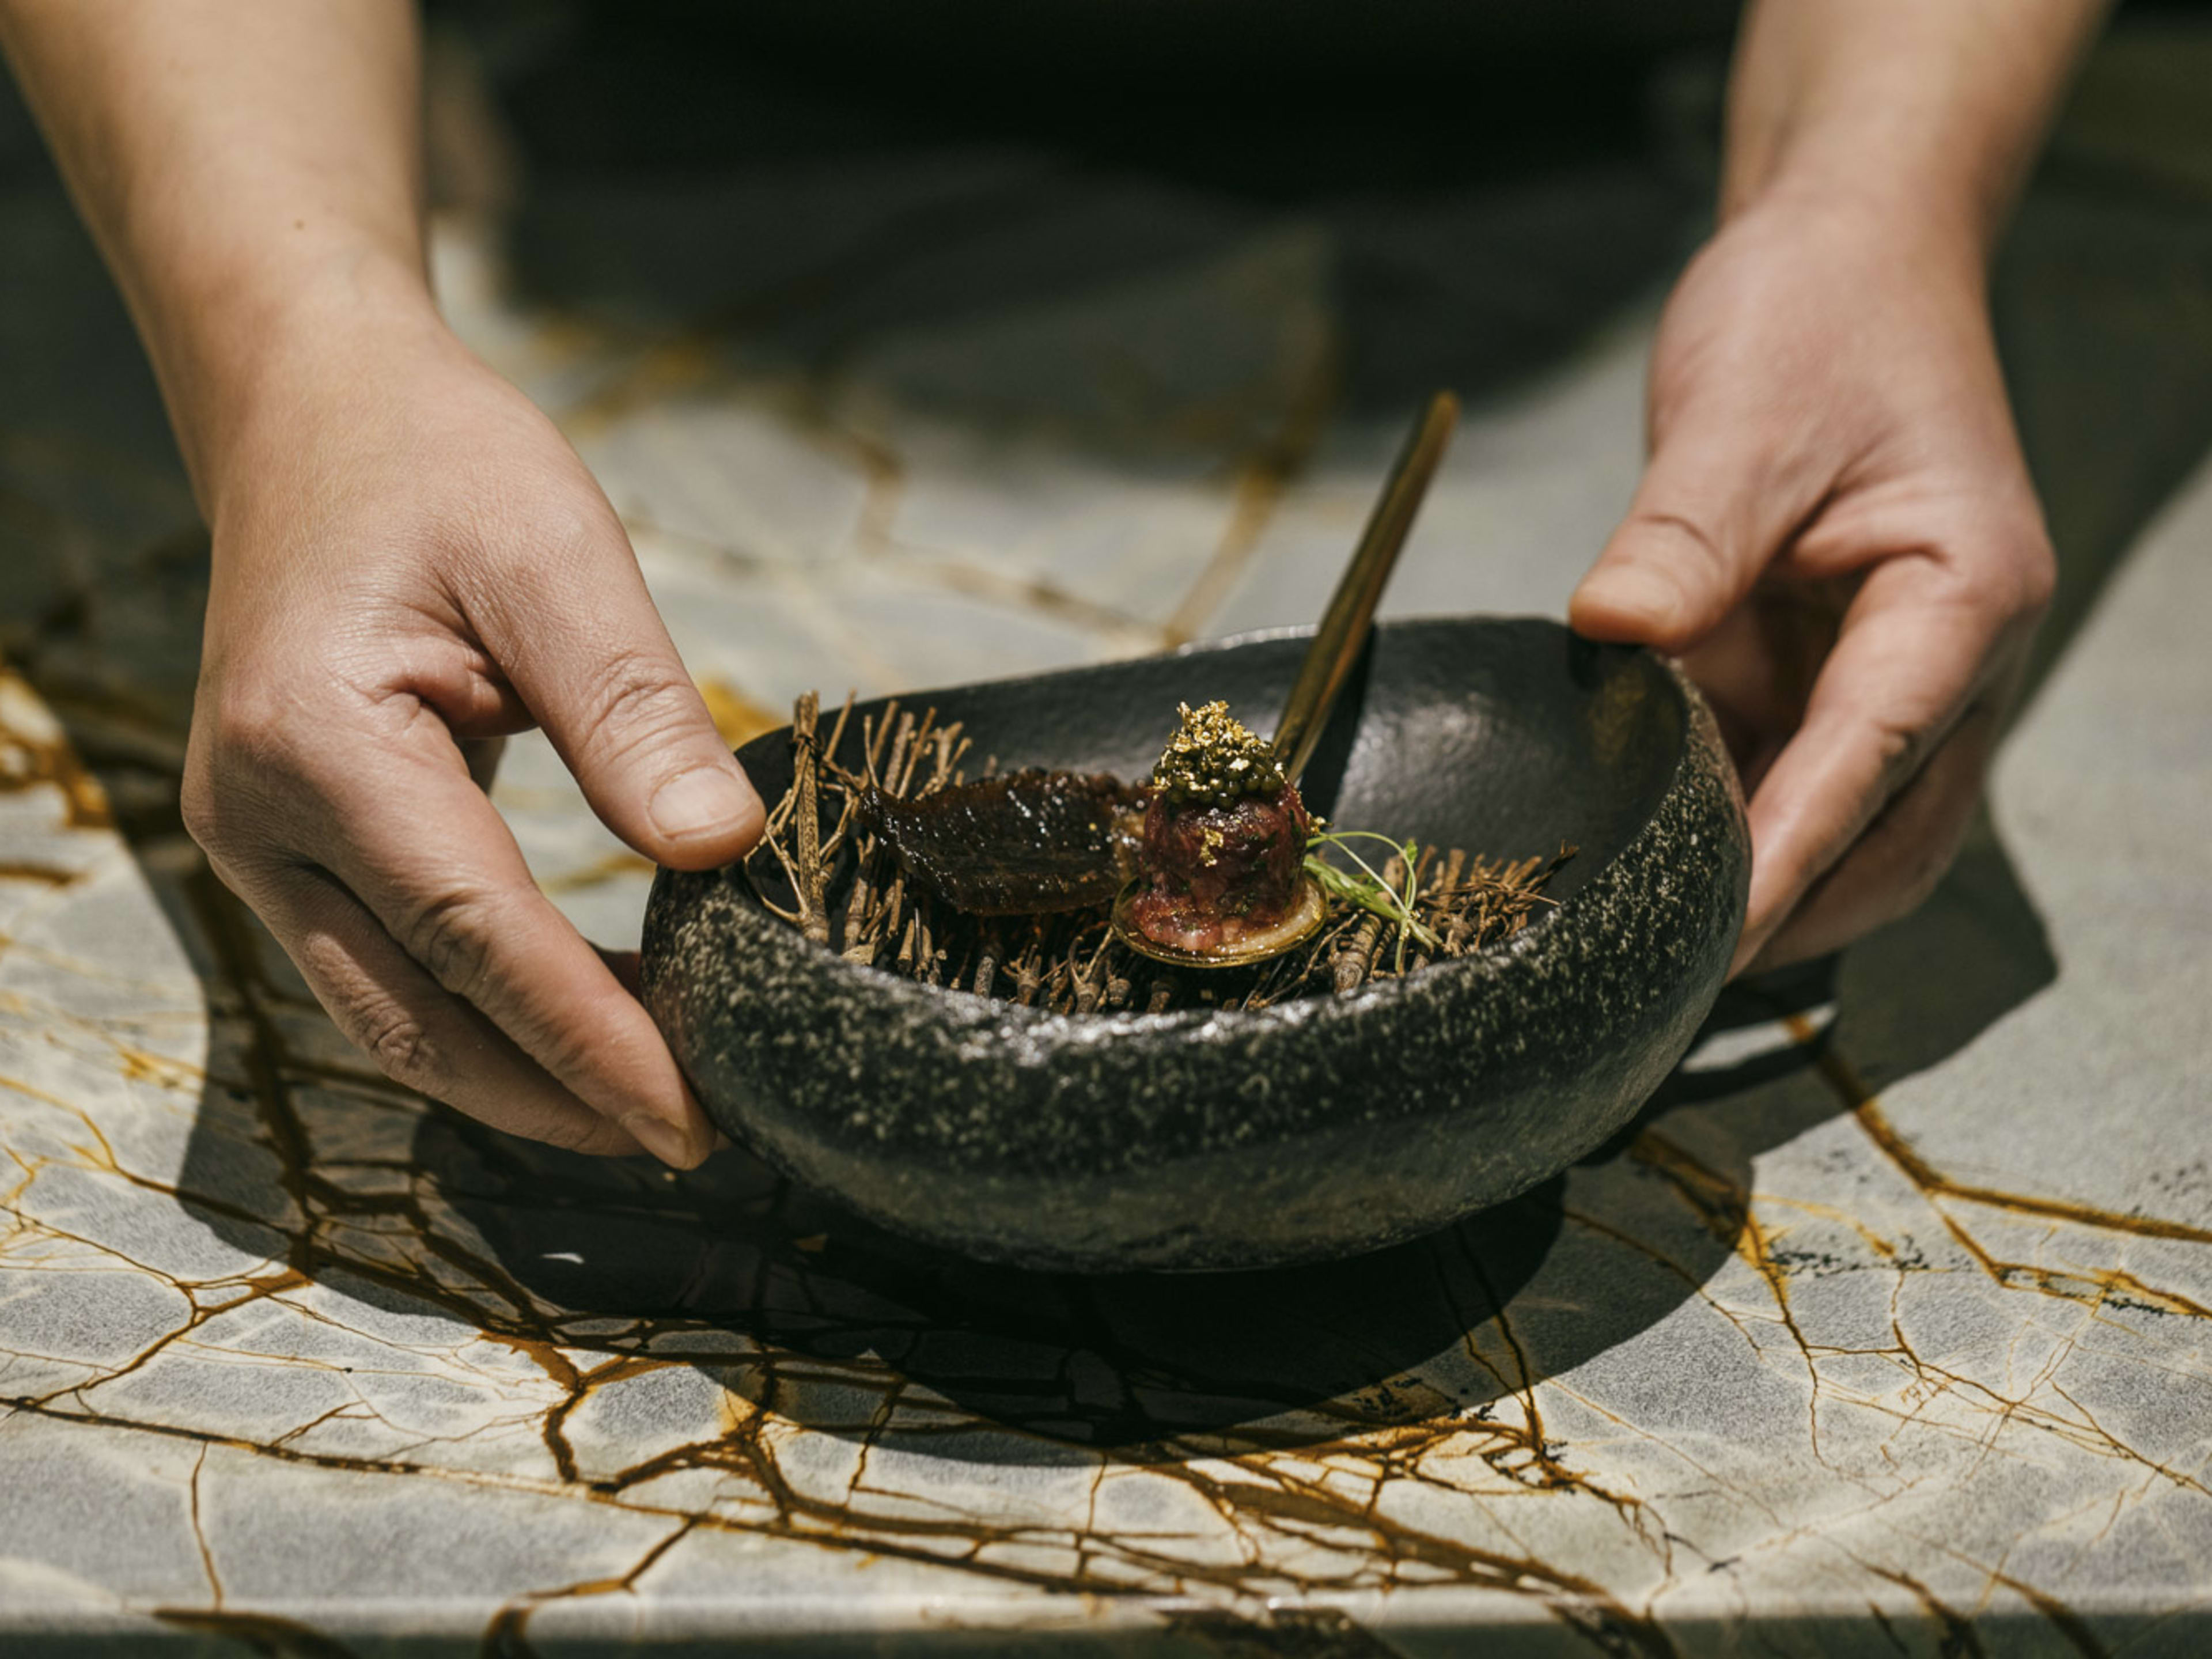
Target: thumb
pixel 1702 527
pixel 588 654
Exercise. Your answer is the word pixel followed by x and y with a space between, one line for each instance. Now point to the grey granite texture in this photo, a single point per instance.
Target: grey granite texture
pixel 1884 1327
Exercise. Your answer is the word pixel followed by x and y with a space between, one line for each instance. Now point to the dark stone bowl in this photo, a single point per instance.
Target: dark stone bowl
pixel 1308 1129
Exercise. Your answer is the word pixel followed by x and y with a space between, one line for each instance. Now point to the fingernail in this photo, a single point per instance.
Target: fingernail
pixel 1636 589
pixel 661 1138
pixel 699 802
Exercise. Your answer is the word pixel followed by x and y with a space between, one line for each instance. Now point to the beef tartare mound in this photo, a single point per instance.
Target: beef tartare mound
pixel 1225 838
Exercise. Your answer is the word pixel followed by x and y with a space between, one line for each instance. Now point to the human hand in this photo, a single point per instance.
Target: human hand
pixel 1836 533
pixel 408 557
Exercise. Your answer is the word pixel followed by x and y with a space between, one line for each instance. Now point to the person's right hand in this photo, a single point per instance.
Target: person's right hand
pixel 407 556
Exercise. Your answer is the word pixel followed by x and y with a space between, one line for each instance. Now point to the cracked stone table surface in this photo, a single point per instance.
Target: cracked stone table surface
pixel 1884 1328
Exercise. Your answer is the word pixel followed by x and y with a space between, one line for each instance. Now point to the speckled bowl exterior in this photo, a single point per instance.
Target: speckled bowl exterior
pixel 1308 1129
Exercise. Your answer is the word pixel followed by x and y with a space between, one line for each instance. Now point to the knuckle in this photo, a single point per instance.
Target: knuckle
pixel 1901 746
pixel 1683 540
pixel 1896 741
pixel 2035 575
pixel 2011 574
pixel 547 511
pixel 637 699
pixel 247 748
pixel 548 519
pixel 252 723
pixel 201 805
pixel 399 1043
pixel 224 808
pixel 451 934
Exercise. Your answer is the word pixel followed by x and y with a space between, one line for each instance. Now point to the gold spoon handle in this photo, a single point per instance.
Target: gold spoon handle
pixel 1344 626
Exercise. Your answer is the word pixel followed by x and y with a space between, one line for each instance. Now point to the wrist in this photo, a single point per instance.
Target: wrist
pixel 1928 114
pixel 252 357
pixel 1930 229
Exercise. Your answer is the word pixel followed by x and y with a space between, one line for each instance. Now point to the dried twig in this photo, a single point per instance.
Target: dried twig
pixel 848 890
pixel 811 880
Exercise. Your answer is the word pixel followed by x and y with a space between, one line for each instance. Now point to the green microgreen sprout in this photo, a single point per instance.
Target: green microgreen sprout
pixel 1367 888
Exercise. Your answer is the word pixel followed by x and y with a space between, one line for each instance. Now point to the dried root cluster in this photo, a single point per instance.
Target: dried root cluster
pixel 820 869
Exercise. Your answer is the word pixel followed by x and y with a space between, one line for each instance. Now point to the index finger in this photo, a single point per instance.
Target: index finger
pixel 1919 644
pixel 433 861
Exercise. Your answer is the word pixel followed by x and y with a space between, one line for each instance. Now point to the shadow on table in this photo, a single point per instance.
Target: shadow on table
pixel 846 1329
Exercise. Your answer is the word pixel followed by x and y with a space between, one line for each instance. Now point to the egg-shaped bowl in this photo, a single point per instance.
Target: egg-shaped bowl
pixel 1308 1128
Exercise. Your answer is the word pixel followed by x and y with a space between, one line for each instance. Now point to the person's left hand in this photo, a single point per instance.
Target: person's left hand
pixel 1836 533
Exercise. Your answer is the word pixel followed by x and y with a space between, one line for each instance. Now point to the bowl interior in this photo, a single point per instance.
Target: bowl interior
pixel 1507 738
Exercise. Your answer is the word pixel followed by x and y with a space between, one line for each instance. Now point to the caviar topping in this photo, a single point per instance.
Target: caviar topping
pixel 1214 760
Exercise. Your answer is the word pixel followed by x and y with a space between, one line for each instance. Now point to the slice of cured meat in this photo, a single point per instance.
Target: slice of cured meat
pixel 1029 843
